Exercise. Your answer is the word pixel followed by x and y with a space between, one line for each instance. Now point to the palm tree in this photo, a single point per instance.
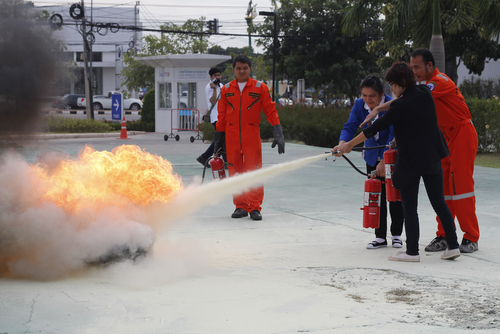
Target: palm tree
pixel 437 43
pixel 408 25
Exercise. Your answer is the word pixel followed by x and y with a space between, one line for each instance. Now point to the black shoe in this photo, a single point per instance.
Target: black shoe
pixel 437 244
pixel 239 213
pixel 375 244
pixel 255 215
pixel 468 246
pixel 202 161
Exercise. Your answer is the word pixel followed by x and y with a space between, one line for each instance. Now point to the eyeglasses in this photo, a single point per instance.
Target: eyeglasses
pixel 390 84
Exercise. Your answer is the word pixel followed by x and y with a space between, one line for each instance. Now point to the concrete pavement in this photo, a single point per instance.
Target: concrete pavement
pixel 303 268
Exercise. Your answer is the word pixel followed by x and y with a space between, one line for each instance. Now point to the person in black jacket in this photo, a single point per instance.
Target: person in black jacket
pixel 421 146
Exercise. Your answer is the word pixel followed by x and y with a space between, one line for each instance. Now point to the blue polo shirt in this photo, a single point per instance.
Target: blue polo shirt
pixel 358 114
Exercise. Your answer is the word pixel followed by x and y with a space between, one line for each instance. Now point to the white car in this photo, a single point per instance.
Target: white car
pixel 309 101
pixel 104 102
pixel 285 102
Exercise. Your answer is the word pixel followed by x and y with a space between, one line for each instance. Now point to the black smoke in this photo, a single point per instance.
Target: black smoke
pixel 29 65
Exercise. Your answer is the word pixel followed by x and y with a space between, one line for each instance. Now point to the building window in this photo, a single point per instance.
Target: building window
pixel 165 95
pixel 186 95
pixel 96 56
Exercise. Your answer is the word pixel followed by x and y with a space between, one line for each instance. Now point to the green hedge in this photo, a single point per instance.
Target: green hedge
pixel 61 124
pixel 321 126
pixel 313 126
pixel 148 108
pixel 486 118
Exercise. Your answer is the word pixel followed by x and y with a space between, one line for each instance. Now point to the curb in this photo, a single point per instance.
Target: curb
pixel 84 112
pixel 67 135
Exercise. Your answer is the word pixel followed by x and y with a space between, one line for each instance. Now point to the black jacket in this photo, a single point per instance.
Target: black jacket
pixel 420 143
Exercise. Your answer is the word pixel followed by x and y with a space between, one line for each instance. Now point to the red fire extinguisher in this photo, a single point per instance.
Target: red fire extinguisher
pixel 217 165
pixel 392 193
pixel 371 203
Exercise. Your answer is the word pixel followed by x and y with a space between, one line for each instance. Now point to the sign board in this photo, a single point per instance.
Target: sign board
pixel 117 106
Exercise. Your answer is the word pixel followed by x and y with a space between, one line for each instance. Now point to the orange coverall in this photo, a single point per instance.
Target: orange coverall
pixel 455 122
pixel 239 118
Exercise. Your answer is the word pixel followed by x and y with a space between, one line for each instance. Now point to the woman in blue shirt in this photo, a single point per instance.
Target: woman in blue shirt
pixel 372 92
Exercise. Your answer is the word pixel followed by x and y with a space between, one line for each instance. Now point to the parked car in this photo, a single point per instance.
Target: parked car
pixel 313 102
pixel 104 102
pixel 68 101
pixel 283 101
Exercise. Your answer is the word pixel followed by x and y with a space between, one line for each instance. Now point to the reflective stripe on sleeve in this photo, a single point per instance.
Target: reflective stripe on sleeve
pixel 458 197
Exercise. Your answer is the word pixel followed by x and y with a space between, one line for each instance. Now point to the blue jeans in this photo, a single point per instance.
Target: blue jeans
pixel 433 181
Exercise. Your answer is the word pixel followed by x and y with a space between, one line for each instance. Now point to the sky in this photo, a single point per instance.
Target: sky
pixel 231 15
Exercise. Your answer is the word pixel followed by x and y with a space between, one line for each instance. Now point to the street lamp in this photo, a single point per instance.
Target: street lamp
pixel 275 47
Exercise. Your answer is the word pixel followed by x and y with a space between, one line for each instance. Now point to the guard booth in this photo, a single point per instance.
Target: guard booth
pixel 180 82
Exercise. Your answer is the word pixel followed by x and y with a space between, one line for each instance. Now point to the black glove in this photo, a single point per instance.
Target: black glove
pixel 278 138
pixel 219 138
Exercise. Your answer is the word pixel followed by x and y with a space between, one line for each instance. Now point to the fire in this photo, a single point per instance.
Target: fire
pixel 102 178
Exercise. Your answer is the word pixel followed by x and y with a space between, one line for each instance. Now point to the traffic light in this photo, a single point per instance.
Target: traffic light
pixel 216 26
pixel 211 26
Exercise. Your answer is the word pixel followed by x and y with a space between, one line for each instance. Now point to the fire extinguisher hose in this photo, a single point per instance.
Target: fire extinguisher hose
pixel 361 149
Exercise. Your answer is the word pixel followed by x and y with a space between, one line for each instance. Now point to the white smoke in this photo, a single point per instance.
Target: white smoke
pixel 40 240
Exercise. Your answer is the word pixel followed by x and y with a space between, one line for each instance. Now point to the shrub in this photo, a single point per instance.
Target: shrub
pixel 481 88
pixel 148 108
pixel 140 126
pixel 70 125
pixel 313 126
pixel 208 131
pixel 486 118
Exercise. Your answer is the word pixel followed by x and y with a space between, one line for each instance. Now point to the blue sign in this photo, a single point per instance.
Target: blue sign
pixel 116 106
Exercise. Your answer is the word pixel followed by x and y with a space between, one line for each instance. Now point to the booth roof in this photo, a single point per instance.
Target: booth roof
pixel 184 60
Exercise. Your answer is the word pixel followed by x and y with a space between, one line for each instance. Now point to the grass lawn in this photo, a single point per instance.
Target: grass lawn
pixel 488 160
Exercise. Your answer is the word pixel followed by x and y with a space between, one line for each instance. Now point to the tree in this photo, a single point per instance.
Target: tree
pixel 313 47
pixel 467 29
pixel 138 75
pixel 261 68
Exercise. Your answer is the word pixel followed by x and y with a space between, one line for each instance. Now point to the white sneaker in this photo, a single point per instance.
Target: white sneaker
pixel 402 256
pixel 450 254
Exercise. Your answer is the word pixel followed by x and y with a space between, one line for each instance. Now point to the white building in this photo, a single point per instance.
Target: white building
pixel 107 50
pixel 491 71
pixel 180 82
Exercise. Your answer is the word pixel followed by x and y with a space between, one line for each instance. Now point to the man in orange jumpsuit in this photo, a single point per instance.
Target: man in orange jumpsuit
pixel 240 105
pixel 454 120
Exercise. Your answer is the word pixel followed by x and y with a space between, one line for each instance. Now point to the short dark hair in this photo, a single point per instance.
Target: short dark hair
pixel 374 82
pixel 401 74
pixel 214 70
pixel 425 54
pixel 242 59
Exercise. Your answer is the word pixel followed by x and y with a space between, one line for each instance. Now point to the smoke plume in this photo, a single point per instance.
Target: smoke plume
pixel 44 239
pixel 28 65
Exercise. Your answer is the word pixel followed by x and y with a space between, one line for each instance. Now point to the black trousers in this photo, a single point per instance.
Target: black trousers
pixel 395 210
pixel 433 181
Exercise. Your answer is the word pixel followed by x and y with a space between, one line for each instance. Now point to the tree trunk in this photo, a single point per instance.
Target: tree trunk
pixel 437 43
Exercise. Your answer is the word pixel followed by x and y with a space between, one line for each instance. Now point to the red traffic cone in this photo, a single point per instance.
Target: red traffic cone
pixel 123 133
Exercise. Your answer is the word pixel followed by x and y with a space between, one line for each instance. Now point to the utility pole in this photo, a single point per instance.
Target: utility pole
pixel 251 14
pixel 91 74
pixel 137 3
pixel 275 48
pixel 88 92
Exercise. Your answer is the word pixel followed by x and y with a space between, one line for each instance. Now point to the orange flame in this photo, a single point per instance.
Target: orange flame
pixel 127 174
